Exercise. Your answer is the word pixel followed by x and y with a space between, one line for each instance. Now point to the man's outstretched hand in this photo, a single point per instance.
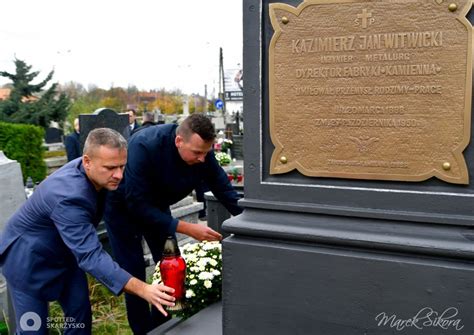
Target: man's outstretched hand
pixel 198 232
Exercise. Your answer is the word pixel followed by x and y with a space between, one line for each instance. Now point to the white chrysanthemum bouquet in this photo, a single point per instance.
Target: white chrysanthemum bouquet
pixel 203 276
pixel 223 158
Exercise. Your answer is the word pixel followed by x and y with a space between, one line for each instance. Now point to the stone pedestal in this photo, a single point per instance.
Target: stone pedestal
pixel 325 274
pixel 337 256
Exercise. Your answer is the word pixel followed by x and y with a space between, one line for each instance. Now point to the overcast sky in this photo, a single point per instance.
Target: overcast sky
pixel 147 43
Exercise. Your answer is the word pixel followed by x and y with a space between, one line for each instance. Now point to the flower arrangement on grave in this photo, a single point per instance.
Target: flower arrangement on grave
pixel 235 175
pixel 226 144
pixel 223 144
pixel 203 276
pixel 222 158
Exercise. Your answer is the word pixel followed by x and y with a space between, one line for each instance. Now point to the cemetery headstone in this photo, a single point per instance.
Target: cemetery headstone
pixel 103 117
pixel 160 119
pixel 185 107
pixel 238 147
pixel 359 165
pixel 53 135
pixel 12 193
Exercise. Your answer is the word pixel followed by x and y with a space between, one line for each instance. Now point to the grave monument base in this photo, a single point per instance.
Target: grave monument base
pixel 306 273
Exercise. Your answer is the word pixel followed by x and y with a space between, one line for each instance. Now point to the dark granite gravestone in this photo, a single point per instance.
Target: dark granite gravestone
pixel 103 117
pixel 321 254
pixel 53 135
pixel 238 147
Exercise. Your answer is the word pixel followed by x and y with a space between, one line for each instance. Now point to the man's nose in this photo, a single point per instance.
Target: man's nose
pixel 201 158
pixel 118 173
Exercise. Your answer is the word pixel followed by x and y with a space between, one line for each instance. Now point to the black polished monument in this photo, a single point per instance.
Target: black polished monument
pixel 330 255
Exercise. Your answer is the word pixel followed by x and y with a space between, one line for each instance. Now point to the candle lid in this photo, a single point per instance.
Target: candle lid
pixel 171 247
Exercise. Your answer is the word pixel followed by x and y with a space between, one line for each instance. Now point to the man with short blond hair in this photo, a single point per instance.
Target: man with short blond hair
pixel 51 241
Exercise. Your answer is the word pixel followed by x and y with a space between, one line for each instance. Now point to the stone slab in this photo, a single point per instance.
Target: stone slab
pixel 186 201
pixel 206 322
pixel 12 193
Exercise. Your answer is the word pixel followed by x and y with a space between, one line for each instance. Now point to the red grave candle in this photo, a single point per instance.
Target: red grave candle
pixel 173 271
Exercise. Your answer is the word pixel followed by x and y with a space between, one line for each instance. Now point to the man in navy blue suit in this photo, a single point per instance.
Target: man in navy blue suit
pixel 72 143
pixel 51 240
pixel 165 163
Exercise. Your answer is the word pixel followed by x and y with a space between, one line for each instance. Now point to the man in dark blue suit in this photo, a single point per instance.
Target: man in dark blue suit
pixel 72 143
pixel 132 120
pixel 165 163
pixel 51 240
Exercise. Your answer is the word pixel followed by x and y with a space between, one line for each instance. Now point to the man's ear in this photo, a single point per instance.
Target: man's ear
pixel 86 161
pixel 178 141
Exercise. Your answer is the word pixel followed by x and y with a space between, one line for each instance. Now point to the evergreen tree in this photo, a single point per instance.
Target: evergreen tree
pixel 30 103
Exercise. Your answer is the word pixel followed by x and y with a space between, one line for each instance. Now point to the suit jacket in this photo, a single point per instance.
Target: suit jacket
pixel 156 177
pixel 54 232
pixel 73 146
pixel 143 126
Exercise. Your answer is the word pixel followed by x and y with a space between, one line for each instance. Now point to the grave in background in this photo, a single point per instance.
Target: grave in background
pixel 103 117
pixel 53 135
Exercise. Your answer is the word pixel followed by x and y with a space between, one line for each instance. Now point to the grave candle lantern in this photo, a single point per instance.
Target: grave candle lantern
pixel 173 271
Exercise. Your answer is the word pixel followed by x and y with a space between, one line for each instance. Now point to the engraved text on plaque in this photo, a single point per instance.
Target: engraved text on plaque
pixel 371 89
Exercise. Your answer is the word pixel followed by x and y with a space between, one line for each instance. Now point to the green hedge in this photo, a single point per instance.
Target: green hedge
pixel 23 143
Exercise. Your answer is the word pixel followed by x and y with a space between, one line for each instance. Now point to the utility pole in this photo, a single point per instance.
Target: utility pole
pixel 222 79
pixel 205 99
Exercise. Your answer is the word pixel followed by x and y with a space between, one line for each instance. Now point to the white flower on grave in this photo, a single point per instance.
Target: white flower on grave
pixel 201 253
pixel 193 282
pixel 216 272
pixel 210 245
pixel 205 276
pixel 203 261
pixel 222 158
pixel 207 284
pixel 190 294
pixel 190 258
pixel 213 262
pixel 190 247
pixel 157 275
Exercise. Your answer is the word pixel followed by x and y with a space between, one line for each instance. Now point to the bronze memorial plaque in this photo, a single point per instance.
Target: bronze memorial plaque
pixel 371 89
